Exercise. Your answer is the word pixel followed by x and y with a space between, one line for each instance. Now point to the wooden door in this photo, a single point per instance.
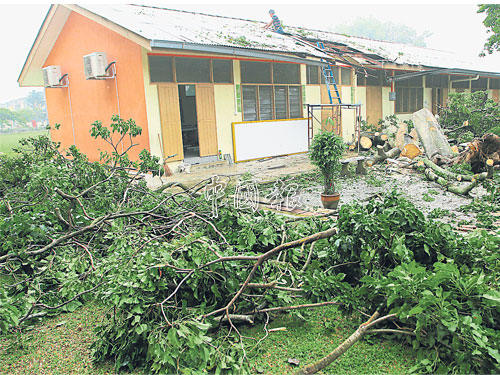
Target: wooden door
pixel 170 116
pixel 373 104
pixel 207 128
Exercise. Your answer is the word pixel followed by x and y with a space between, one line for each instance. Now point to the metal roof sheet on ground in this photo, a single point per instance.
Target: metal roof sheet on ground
pixel 181 26
pixel 400 53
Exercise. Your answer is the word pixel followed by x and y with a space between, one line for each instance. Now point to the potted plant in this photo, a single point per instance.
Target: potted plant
pixel 325 152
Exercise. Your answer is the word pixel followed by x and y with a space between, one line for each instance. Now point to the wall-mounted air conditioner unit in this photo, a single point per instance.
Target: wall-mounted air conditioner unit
pixel 95 65
pixel 52 76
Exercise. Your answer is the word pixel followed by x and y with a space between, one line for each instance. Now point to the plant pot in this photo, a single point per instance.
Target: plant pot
pixel 330 201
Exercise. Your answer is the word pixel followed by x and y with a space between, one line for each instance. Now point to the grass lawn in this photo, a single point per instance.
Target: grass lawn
pixel 8 141
pixel 61 346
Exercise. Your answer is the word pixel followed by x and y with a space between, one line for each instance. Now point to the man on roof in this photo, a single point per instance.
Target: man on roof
pixel 275 23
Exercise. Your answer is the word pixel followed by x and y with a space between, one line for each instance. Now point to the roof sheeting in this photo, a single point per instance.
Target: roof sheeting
pixel 400 53
pixel 180 26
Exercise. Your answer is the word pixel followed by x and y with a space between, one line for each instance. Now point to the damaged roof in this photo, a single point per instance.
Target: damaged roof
pixel 399 53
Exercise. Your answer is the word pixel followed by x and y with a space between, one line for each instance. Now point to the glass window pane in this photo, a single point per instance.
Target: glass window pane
pixel 361 80
pixel 160 68
pixel 255 72
pixel 420 99
pixel 192 70
pixel 265 103
pixel 346 77
pixel 335 72
pixel 312 75
pixel 494 83
pixel 286 73
pixel 294 95
pixel 481 83
pixel 249 103
pixel 280 102
pixel 413 100
pixel 397 108
pixel 404 99
pixel 223 71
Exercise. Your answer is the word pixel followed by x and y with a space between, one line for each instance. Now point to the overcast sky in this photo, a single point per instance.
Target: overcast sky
pixel 456 28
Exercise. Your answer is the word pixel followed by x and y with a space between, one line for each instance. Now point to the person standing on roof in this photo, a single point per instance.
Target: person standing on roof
pixel 275 23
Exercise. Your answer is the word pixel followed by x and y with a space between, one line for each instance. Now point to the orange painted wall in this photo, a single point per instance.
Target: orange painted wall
pixel 93 100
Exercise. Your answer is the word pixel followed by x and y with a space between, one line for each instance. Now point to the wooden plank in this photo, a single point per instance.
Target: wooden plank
pixel 207 128
pixel 496 95
pixel 373 104
pixel 170 116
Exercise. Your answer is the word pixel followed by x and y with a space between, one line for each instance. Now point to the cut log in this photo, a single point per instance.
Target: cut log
pixel 365 143
pixel 410 151
pixel 464 189
pixel 430 134
pixel 382 155
pixel 442 172
pixel 399 140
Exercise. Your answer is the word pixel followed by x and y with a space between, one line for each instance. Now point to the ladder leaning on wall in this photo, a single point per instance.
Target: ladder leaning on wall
pixel 329 78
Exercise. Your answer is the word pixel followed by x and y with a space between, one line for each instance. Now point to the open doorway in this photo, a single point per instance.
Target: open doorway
pixel 189 121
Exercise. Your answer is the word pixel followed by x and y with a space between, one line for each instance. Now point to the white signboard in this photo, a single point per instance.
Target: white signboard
pixel 261 139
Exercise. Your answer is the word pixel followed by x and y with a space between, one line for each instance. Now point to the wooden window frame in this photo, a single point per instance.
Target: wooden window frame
pixel 273 104
pixel 211 72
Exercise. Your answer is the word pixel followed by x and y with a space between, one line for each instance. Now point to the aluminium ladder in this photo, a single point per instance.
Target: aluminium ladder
pixel 329 77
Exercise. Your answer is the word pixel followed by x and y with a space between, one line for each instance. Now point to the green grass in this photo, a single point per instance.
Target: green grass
pixel 58 345
pixel 320 333
pixel 11 140
pixel 61 345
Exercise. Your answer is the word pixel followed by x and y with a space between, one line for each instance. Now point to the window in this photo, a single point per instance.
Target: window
pixel 479 84
pixel 438 81
pixel 409 99
pixel 460 85
pixel 268 102
pixel 361 79
pixel 249 95
pixel 286 73
pixel 189 69
pixel 346 76
pixel 255 72
pixel 294 103
pixel 312 75
pixel 280 102
pixel 222 71
pixel 335 71
pixel 494 83
pixel 160 68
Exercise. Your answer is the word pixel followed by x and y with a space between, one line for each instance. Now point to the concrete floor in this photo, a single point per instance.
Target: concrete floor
pixel 262 170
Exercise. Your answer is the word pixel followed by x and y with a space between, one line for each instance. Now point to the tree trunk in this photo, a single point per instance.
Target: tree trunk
pixel 430 134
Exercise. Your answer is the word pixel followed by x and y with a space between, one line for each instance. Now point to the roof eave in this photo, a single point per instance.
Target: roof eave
pixel 234 51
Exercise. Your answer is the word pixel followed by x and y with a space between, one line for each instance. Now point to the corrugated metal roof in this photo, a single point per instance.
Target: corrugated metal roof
pixel 155 23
